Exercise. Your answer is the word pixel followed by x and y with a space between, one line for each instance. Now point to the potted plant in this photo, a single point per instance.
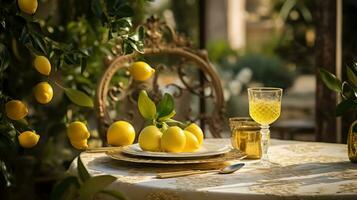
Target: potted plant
pixel 348 92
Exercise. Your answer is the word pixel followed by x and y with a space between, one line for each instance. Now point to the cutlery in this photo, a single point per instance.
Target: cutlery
pixel 225 170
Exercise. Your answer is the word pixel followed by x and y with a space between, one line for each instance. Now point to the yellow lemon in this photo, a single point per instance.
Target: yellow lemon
pixel 42 65
pixel 120 133
pixel 192 143
pixel 196 130
pixel 150 138
pixel 81 144
pixel 141 71
pixel 16 110
pixel 43 92
pixel 77 131
pixel 28 139
pixel 28 6
pixel 173 140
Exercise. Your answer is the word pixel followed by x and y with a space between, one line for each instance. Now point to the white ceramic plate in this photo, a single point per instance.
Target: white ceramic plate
pixel 207 149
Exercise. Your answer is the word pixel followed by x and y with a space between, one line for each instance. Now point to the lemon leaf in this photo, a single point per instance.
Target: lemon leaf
pixel 166 105
pixel 94 185
pixel 61 189
pixel 82 171
pixel 352 77
pixel 169 116
pixel 79 97
pixel 146 106
pixel 330 80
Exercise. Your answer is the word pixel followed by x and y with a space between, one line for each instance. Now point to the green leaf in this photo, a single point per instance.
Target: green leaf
pixel 344 106
pixel 82 170
pixel 96 8
pixel 38 43
pixel 330 80
pixel 5 58
pixel 79 97
pixel 61 188
pixel 352 77
pixel 165 106
pixel 83 64
pixel 113 193
pixel 169 116
pixel 347 91
pixel 94 185
pixel 146 106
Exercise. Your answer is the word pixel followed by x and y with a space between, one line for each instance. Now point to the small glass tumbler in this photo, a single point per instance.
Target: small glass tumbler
pixel 246 136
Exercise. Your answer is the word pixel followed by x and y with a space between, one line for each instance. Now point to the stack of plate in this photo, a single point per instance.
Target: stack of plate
pixel 209 152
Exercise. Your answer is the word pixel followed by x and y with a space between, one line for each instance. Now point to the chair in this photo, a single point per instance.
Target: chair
pixel 181 70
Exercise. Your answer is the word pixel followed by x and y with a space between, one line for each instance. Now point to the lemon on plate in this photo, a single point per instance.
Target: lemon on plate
pixel 173 140
pixel 77 131
pixel 150 138
pixel 120 133
pixel 16 110
pixel 141 71
pixel 196 130
pixel 28 6
pixel 28 139
pixel 43 92
pixel 192 143
pixel 42 65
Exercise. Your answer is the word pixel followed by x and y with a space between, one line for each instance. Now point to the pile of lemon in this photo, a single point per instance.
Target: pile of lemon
pixel 173 139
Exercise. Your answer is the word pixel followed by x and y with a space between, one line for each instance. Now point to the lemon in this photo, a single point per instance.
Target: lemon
pixel 77 131
pixel 81 144
pixel 196 130
pixel 150 138
pixel 16 110
pixel 28 139
pixel 28 6
pixel 42 65
pixel 141 71
pixel 192 143
pixel 173 140
pixel 43 92
pixel 120 133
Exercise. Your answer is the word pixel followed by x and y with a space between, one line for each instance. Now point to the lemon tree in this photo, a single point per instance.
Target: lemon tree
pixel 67 54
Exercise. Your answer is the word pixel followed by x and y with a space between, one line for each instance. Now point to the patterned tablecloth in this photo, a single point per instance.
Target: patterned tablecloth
pixel 303 170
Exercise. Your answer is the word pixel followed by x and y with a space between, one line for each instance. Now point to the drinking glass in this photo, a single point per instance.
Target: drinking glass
pixel 264 108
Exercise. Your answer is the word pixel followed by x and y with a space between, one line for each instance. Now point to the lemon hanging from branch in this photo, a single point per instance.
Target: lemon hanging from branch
pixel 16 110
pixel 28 6
pixel 42 65
pixel 43 92
pixel 141 71
pixel 28 139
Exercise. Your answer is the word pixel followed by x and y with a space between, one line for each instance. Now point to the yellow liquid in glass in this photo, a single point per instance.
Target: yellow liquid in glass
pixel 247 141
pixel 264 112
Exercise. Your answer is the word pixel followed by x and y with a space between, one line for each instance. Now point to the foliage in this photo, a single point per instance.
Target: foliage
pixel 75 38
pixel 159 115
pixel 347 89
pixel 84 186
pixel 297 42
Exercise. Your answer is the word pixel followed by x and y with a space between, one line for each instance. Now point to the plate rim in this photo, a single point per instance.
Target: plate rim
pixel 224 149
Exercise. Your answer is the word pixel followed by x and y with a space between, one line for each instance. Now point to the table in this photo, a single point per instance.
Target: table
pixel 303 170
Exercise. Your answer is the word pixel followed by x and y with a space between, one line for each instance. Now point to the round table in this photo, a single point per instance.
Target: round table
pixel 301 170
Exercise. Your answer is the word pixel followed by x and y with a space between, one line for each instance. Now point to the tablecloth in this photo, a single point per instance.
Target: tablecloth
pixel 301 170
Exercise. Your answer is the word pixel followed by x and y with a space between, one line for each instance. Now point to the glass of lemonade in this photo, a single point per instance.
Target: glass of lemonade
pixel 264 108
pixel 246 136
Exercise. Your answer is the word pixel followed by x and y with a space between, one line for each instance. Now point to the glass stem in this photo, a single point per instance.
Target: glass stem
pixel 265 143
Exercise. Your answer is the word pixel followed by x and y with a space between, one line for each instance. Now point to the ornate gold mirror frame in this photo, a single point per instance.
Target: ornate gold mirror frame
pixel 157 44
